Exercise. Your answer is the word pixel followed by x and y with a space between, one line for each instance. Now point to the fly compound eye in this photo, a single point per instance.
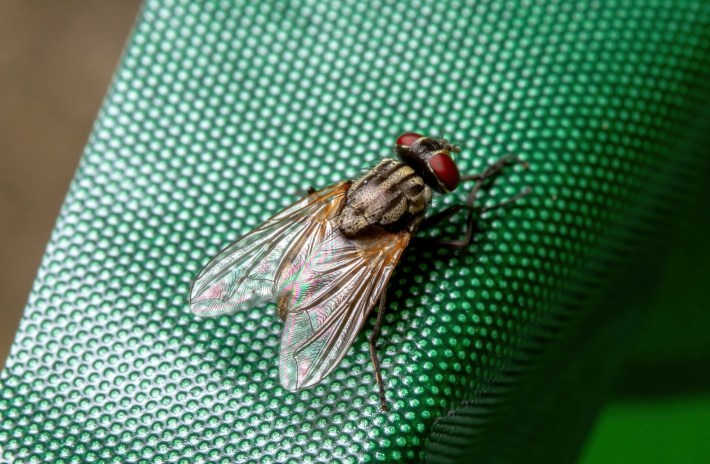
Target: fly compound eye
pixel 408 138
pixel 445 170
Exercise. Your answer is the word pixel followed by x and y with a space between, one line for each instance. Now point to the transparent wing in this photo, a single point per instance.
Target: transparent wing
pixel 242 275
pixel 326 296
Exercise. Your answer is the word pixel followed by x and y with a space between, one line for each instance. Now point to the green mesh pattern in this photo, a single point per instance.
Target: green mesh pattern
pixel 223 113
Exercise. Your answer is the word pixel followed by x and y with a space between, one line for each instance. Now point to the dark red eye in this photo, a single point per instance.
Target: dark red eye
pixel 408 138
pixel 445 170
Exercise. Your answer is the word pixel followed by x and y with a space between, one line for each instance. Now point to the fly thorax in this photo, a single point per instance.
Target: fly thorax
pixel 390 196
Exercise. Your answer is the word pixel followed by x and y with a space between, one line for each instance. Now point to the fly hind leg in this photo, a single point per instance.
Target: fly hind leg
pixel 373 351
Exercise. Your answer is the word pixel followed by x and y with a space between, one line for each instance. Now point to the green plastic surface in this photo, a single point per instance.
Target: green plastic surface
pixel 223 113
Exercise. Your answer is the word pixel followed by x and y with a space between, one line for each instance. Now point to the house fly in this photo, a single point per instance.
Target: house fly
pixel 326 259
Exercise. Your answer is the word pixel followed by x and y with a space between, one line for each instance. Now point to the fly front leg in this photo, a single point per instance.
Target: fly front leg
pixel 495 168
pixel 480 180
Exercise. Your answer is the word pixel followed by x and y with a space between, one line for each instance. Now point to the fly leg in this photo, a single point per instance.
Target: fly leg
pixel 495 168
pixel 480 179
pixel 373 351
pixel 440 217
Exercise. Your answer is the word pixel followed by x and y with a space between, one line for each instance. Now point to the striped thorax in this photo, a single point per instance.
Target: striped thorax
pixel 391 196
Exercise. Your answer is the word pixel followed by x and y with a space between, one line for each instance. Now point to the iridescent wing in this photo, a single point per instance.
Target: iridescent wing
pixel 326 295
pixel 242 275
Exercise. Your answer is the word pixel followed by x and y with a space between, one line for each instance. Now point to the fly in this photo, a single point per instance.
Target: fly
pixel 326 260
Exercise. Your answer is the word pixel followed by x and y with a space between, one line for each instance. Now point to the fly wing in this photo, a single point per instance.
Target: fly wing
pixel 326 297
pixel 242 275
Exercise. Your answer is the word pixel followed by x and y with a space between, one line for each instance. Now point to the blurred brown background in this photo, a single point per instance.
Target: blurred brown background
pixel 56 61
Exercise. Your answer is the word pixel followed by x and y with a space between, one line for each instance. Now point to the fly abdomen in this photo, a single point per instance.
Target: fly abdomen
pixel 391 196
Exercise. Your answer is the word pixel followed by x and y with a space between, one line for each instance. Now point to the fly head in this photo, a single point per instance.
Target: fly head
pixel 430 158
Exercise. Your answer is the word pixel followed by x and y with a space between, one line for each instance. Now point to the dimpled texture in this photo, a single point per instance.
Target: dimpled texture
pixel 223 113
